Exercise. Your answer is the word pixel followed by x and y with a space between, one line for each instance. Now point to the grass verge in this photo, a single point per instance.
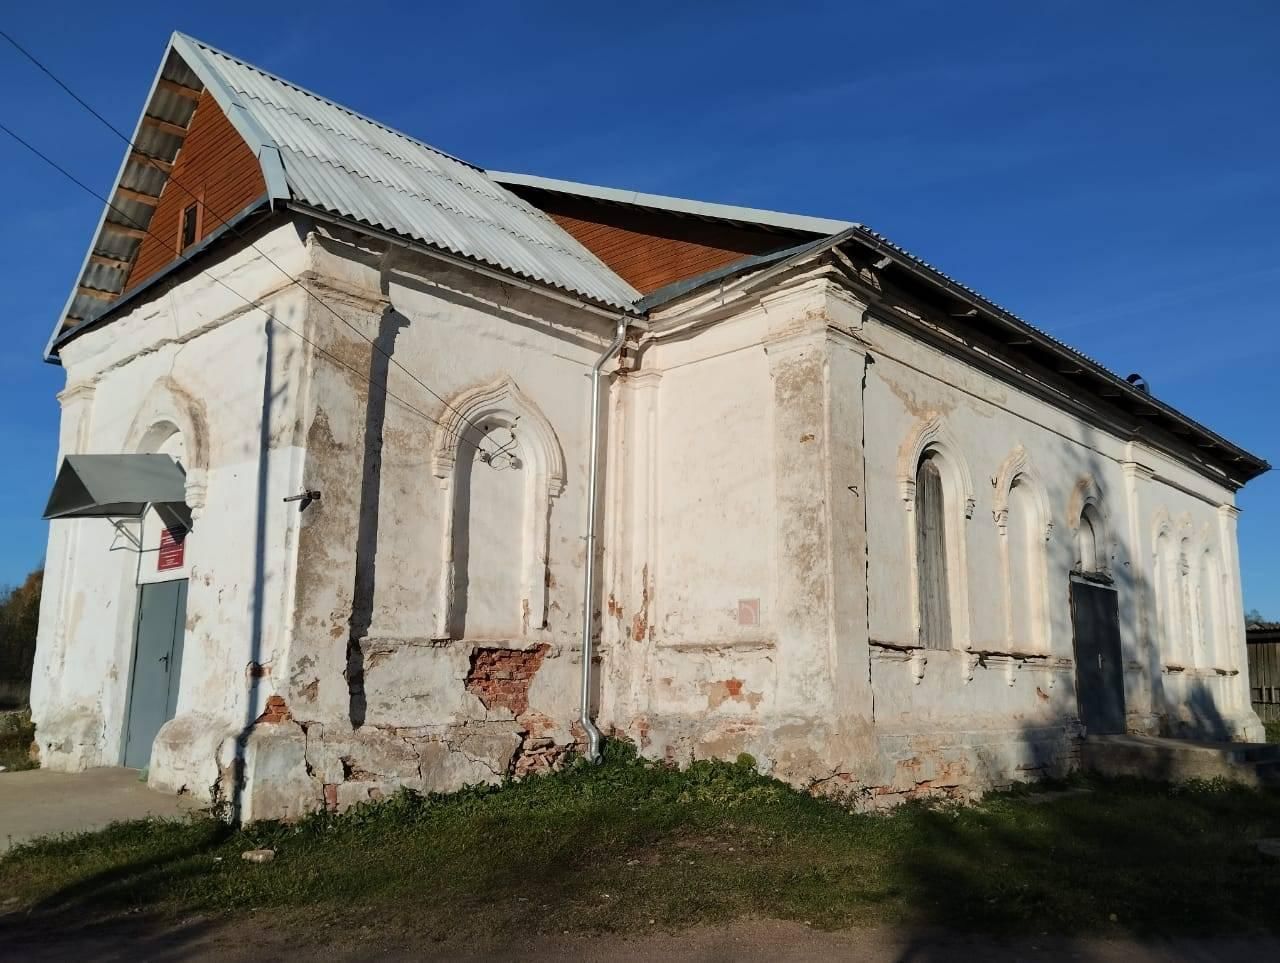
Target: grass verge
pixel 16 736
pixel 627 846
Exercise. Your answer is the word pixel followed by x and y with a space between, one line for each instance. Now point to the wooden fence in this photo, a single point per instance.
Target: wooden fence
pixel 1264 672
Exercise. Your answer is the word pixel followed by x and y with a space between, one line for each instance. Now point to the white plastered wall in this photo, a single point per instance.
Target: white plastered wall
pixel 190 355
pixel 715 507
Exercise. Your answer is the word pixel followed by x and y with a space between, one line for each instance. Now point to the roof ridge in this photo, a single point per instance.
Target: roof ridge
pixel 809 223
pixel 326 100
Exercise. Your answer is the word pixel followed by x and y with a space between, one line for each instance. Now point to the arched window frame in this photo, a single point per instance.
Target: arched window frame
pixel 1017 470
pixel 932 438
pixel 544 467
pixel 170 409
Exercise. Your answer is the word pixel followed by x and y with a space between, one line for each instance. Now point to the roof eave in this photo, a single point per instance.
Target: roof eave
pixel 1248 465
pixel 58 326
pixel 1256 465
pixel 266 151
pixel 129 297
pixel 469 262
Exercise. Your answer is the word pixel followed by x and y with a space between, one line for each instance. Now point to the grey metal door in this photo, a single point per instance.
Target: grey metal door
pixel 1095 618
pixel 157 667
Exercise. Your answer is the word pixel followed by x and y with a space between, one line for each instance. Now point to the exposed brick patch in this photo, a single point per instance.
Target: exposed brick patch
pixel 500 678
pixel 276 711
pixel 537 756
pixel 331 796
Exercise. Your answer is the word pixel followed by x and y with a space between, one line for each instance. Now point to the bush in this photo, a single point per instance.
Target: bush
pixel 19 620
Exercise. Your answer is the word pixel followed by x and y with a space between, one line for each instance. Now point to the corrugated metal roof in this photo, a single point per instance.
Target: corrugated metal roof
pixel 327 157
pixel 340 161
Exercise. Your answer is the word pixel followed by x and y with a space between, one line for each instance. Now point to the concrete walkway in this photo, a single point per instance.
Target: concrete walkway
pixel 38 803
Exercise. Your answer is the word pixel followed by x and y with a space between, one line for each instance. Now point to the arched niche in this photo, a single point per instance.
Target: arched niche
pixel 500 466
pixel 1213 610
pixel 1167 626
pixel 1022 516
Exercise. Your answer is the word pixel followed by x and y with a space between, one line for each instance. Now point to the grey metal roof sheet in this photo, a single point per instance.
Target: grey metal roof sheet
pixel 340 161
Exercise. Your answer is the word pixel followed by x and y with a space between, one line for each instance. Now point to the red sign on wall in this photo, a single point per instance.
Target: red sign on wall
pixel 173 544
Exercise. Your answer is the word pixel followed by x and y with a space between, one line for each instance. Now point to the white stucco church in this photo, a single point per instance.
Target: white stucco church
pixel 325 523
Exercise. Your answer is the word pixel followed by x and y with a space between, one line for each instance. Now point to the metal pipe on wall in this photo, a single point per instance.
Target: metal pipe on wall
pixel 594 736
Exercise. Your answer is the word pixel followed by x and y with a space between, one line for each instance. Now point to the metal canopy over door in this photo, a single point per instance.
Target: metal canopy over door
pixel 157 666
pixel 1095 618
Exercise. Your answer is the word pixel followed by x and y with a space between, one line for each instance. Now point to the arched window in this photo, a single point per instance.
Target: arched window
pixel 931 555
pixel 1090 542
pixel 938 494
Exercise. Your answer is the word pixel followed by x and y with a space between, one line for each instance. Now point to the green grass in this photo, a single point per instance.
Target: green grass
pixel 628 845
pixel 16 735
pixel 1273 730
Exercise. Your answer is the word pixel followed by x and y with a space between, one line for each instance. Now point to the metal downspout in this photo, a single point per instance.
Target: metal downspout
pixel 594 737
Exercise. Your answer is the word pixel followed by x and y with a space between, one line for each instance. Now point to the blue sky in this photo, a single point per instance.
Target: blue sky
pixel 1107 171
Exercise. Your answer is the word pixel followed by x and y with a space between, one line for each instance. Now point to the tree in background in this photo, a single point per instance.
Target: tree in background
pixel 1253 617
pixel 19 618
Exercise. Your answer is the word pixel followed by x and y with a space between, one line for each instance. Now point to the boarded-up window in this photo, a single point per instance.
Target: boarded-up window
pixel 931 557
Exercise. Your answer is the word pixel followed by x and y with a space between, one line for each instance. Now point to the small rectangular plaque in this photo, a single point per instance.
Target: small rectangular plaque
pixel 173 544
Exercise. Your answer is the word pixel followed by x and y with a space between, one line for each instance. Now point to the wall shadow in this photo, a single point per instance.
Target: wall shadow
pixel 1129 854
pixel 389 328
pixel 464 466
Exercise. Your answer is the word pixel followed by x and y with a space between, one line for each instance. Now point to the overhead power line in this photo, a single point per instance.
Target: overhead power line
pixel 231 227
pixel 247 300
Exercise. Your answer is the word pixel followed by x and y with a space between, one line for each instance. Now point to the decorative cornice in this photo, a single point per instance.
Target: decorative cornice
pixel 644 378
pixel 80 392
pixel 1137 470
